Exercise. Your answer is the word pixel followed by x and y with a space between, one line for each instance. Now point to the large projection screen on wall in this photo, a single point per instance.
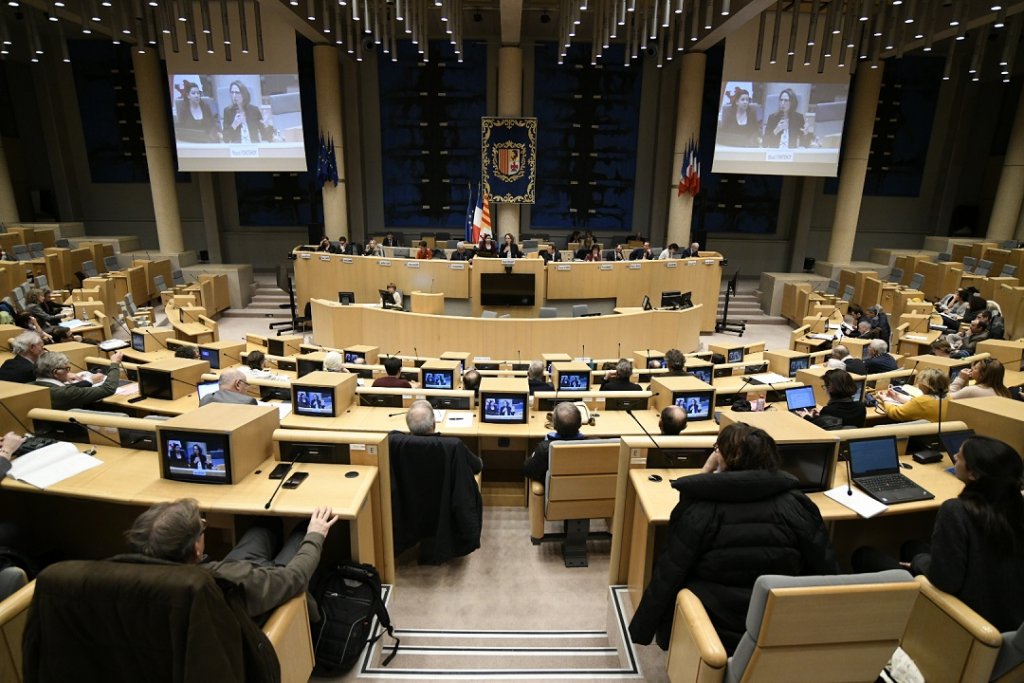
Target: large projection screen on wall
pixel 242 113
pixel 778 122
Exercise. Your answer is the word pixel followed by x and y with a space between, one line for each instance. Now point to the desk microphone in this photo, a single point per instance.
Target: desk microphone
pixel 738 401
pixel 92 429
pixel 278 487
pixel 629 411
pixel 849 476
pixel 416 355
pixel 618 352
pixel 401 412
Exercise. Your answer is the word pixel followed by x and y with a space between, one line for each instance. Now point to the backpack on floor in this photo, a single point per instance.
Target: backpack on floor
pixel 348 598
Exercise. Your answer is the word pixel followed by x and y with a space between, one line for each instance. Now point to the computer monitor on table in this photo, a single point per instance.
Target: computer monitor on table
pixel 798 363
pixel 813 464
pixel 672 299
pixel 194 456
pixel 734 356
pixel 438 378
pixel 346 298
pixel 308 365
pixel 354 356
pixel 504 407
pixel 313 401
pixel 702 373
pixel 697 404
pixel 381 400
pixel 155 384
pixel 573 380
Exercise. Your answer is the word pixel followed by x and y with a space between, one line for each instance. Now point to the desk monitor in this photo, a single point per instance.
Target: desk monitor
pixel 195 456
pixel 677 458
pixel 671 299
pixel 61 431
pixel 174 344
pixel 346 298
pixel 798 363
pixel 811 463
pixel 800 398
pixel 308 365
pixel 952 441
pixel 697 404
pixel 438 379
pixel 702 373
pixel 504 407
pixel 488 365
pixel 381 400
pixel 450 402
pixel 207 388
pixel 721 372
pixel 324 453
pixel 574 380
pixel 155 384
pixel 287 365
pixel 138 342
pixel 313 401
pixel 354 356
pixel 858 395
pixel 387 299
pixel 276 347
pixel 211 356
pixel 626 403
pixel 279 393
pixel 655 362
pixel 734 356
pixel 686 300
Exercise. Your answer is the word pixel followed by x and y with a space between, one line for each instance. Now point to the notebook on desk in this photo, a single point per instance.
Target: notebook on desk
pixel 875 468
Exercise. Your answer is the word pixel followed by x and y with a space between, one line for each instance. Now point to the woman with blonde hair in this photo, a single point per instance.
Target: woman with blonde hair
pixel 903 407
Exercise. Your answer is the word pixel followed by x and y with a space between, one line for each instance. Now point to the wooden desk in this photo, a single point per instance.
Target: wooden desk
pixel 1009 353
pixel 916 343
pixel 424 302
pixel 995 416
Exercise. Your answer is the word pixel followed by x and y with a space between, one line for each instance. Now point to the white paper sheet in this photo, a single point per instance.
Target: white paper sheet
pixel 861 503
pixel 46 466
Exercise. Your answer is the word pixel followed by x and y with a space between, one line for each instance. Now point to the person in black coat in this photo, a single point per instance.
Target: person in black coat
pixel 535 378
pixel 243 123
pixel 27 348
pixel 509 248
pixel 786 128
pixel 729 528
pixel 643 253
pixel 879 359
pixel 566 421
pixel 841 388
pixel 620 380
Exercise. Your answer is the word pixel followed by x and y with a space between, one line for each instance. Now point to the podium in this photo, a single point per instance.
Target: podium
pixel 425 302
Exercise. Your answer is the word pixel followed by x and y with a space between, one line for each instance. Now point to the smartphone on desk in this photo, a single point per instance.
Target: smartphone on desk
pixel 293 481
pixel 280 470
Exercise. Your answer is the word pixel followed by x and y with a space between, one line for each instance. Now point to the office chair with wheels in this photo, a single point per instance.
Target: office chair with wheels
pixel 548 312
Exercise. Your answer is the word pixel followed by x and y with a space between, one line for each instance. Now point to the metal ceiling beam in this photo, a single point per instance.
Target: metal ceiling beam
pixel 739 17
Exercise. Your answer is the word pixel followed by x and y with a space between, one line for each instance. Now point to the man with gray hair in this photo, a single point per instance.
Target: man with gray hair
pixel 842 360
pixel 420 421
pixel 53 371
pixel 879 359
pixel 535 378
pixel 269 571
pixel 619 381
pixel 27 347
pixel 566 421
pixel 231 389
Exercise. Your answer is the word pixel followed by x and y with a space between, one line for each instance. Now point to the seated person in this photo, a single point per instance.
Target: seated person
pixel 715 548
pixel 269 571
pixel 671 251
pixel 27 347
pixel 392 366
pixel 966 343
pixel 53 371
pixel 535 378
pixel 866 331
pixel 548 256
pixel 461 253
pixel 952 307
pixel 509 247
pixel 901 407
pixel 487 247
pixel 334 362
pixel 12 577
pixel 643 253
pixel 879 359
pixel 255 368
pixel 420 421
pixel 187 351
pixel 692 252
pixel 842 360
pixel 566 421
pixel 391 241
pixel 995 322
pixel 618 254
pixel 879 320
pixel 841 406
pixel 34 300
pixel 594 254
pixel 941 348
pixel 373 249
pixel 987 373
pixel 672 421
pixel 342 246
pixel 325 244
pixel 976 552
pixel 424 252
pixel 231 388
pixel 975 306
pixel 396 296
pixel 675 363
pixel 619 380
pixel 471 381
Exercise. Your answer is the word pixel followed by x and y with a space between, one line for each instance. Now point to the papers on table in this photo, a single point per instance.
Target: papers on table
pixel 459 419
pixel 129 389
pixel 767 378
pixel 285 409
pixel 73 324
pixel 51 464
pixel 863 504
pixel 112 344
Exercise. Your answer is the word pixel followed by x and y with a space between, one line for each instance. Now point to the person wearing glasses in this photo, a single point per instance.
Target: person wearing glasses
pixel 269 570
pixel 53 371
pixel 231 389
pixel 243 122
pixel 740 518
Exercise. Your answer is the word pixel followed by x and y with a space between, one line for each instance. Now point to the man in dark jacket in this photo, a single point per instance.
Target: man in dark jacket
pixel 535 378
pixel 619 381
pixel 878 359
pixel 729 528
pixel 26 347
pixel 566 420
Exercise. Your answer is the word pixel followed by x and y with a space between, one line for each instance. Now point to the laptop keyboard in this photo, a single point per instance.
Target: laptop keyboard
pixel 32 443
pixel 887 482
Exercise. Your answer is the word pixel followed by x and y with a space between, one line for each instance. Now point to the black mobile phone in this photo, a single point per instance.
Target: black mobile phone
pixel 296 479
pixel 281 470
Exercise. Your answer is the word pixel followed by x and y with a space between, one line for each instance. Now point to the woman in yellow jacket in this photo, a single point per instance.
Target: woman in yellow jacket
pixel 902 407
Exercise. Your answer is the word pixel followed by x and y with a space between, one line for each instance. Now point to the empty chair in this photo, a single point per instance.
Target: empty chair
pixel 63 243
pixel 548 312
pixel 110 263
pixel 579 310
pixel 89 268
pixel 531 245
pixel 1008 271
pixel 848 293
pixel 944 257
pixel 488 314
pixel 895 275
pixel 36 249
pixel 159 284
pixel 969 263
pixel 983 268
pixel 401 252
pixel 177 277
pixel 42 282
pixel 917 281
pixel 20 252
pixel 832 288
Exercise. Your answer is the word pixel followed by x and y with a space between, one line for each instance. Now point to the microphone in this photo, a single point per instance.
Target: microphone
pixel 629 411
pixel 401 412
pixel 92 429
pixel 278 487
pixel 849 477
pixel 618 352
pixel 392 355
pixel 431 290
pixel 416 354
pixel 739 397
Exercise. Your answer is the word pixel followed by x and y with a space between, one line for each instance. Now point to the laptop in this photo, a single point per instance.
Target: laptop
pixel 800 398
pixel 875 468
pixel 952 441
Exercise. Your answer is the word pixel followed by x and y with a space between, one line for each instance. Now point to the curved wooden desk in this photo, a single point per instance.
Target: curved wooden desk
pixel 612 336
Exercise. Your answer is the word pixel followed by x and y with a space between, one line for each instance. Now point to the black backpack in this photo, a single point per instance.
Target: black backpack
pixel 348 598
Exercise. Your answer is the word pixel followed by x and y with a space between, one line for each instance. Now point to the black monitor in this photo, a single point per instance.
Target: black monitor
pixel 686 300
pixel 381 400
pixel 671 299
pixel 346 298
pixel 507 289
pixel 573 380
pixel 211 356
pixel 308 365
pixel 410 375
pixel 756 368
pixel 449 402
pixel 504 407
pixel 324 453
pixel 287 365
pixel 138 342
pixel 313 401
pixel 734 356
pixel 520 367
pixel 810 463
pixel 438 379
pixel 721 372
pixel 798 363
pixel 194 456
pixel 131 372
pixel 155 384
pixel 697 404
pixel 354 356
pixel 387 299
pixel 701 373
pixel 62 431
pixel 677 458
pixel 626 402
pixel 279 393
pixel 275 347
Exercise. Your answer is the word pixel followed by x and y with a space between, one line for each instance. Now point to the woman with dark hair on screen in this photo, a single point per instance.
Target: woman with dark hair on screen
pixel 741 518
pixel 739 126
pixel 243 122
pixel 786 127
pixel 977 548
pixel 196 123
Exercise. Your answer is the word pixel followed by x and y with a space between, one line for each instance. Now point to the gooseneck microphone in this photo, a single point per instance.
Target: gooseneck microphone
pixel 92 429
pixel 278 487
pixel 849 476
pixel 401 412
pixel 629 411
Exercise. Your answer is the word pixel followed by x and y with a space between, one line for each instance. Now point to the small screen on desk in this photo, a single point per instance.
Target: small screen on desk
pixel 195 456
pixel 138 342
pixel 314 401
pixel 655 362
pixel 677 458
pixel 574 381
pixel 800 363
pixel 703 374
pixel 697 406
pixel 810 463
pixel 438 379
pixel 211 356
pixel 306 366
pixel 155 384
pixel 354 357
pixel 503 408
pixel 735 356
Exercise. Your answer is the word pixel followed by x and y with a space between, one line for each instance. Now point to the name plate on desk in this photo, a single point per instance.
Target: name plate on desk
pixel 412 264
pixel 606 266
pixel 709 262
pixel 384 262
pixel 691 263
pixel 508 262
pixel 563 266
pixel 305 256
pixel 325 257
pixel 457 265
pixel 346 259
pixel 635 266
pixel 671 264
